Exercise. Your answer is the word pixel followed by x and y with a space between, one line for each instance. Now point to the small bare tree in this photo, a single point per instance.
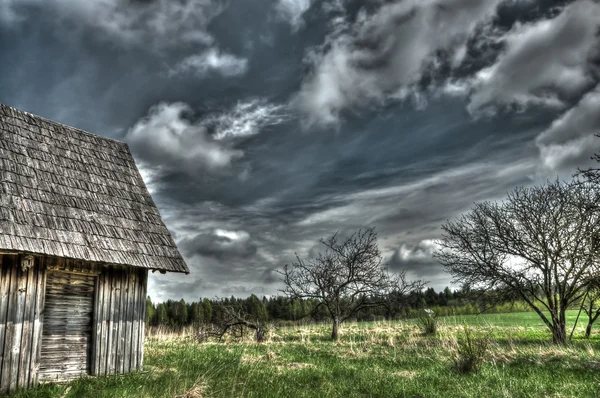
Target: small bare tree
pixel 232 317
pixel 537 245
pixel 345 278
pixel 395 299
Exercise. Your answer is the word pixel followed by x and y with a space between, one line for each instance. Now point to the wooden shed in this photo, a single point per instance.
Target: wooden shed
pixel 78 234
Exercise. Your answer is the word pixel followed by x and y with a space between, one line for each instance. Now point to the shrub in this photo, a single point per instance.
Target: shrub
pixel 471 352
pixel 427 321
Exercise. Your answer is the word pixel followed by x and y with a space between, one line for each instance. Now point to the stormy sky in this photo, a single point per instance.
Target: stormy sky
pixel 261 126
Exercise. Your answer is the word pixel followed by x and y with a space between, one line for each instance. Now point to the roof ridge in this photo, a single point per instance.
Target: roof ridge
pixel 2 105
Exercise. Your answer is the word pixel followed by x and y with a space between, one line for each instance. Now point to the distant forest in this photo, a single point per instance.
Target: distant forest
pixel 287 311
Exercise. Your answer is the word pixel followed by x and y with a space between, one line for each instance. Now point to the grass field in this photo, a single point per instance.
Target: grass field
pixel 380 359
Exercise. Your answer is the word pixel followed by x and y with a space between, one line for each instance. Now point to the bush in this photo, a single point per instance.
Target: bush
pixel 427 321
pixel 471 352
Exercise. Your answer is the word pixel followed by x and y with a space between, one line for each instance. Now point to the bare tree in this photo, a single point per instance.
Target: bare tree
pixel 345 278
pixel 395 299
pixel 537 245
pixel 232 317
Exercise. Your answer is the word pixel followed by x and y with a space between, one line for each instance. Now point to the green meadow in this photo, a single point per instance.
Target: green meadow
pixel 378 359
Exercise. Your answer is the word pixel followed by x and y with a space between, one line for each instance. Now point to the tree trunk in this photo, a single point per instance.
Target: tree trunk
pixel 591 319
pixel 335 330
pixel 260 334
pixel 559 332
pixel 588 330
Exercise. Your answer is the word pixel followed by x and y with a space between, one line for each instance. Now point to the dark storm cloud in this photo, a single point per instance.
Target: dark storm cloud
pixel 418 261
pixel 220 244
pixel 270 276
pixel 261 126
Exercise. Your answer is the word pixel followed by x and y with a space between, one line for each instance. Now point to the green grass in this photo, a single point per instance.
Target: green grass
pixel 517 319
pixel 378 359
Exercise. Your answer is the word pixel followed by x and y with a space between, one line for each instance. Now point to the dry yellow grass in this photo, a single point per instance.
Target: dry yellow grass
pixel 196 391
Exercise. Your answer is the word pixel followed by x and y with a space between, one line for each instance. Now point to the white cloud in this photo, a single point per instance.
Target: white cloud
pixel 542 63
pixel 580 121
pixel 165 137
pixel 149 175
pixel 211 60
pixel 292 11
pixel 232 235
pixel 247 118
pixel 569 141
pixel 421 252
pixel 568 155
pixel 421 200
pixel 383 55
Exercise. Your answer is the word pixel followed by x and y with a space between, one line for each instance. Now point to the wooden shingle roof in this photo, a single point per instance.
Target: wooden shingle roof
pixel 68 193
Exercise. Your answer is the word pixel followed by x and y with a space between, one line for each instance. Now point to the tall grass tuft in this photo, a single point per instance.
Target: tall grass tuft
pixel 471 351
pixel 428 323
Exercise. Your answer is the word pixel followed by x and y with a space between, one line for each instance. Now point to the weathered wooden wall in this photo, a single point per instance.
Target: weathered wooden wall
pixel 21 304
pixel 117 325
pixel 119 320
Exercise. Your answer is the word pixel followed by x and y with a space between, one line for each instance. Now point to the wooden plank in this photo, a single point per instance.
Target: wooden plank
pixel 4 295
pixel 114 305
pixel 62 339
pixel 10 329
pixel 120 335
pixel 15 346
pixel 66 352
pixel 122 323
pixel 109 322
pixel 136 322
pixel 109 331
pixel 96 332
pixel 76 344
pixel 39 324
pixel 5 274
pixel 26 335
pixel 144 285
pixel 34 320
pixel 61 376
pixel 105 320
pixel 128 322
pixel 114 344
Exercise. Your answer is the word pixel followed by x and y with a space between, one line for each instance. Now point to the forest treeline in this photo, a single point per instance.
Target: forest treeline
pixel 292 311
